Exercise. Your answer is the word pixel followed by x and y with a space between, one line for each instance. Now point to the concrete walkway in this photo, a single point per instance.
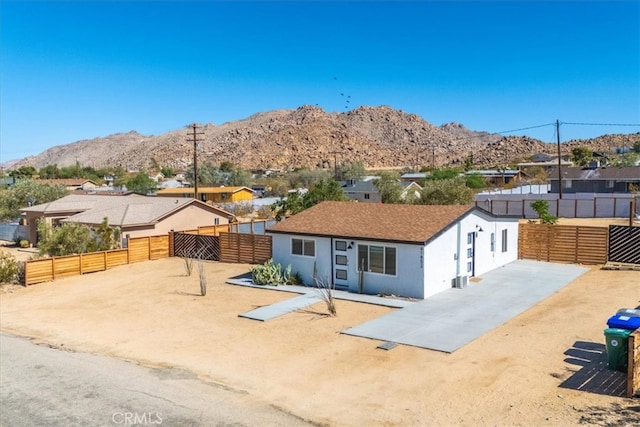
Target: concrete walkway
pixel 455 317
pixel 309 296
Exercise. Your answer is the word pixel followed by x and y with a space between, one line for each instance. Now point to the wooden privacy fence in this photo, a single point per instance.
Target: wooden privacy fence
pixel 244 248
pixel 138 249
pixel 633 365
pixel 563 243
pixel 195 246
pixel 624 244
pixel 209 230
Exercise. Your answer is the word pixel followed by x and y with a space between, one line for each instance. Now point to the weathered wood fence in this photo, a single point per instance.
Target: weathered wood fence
pixel 563 243
pixel 138 249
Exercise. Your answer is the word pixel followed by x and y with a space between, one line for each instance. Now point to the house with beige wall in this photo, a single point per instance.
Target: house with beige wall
pixel 134 214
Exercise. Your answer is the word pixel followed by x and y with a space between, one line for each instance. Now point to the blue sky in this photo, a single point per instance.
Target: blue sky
pixel 76 70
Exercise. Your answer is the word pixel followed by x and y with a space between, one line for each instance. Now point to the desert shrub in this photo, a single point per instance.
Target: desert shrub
pixel 273 274
pixel 202 278
pixel 9 268
pixel 264 212
pixel 24 243
pixel 239 209
pixel 326 292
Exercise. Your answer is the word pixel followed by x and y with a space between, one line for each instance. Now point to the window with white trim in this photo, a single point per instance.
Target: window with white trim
pixel 303 247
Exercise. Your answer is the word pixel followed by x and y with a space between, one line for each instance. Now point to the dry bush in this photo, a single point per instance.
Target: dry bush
pixel 326 292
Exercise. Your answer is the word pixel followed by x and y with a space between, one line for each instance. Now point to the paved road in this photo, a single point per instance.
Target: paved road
pixel 41 386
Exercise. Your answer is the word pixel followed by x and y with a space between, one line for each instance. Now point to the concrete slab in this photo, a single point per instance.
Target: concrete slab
pixel 283 307
pixel 455 317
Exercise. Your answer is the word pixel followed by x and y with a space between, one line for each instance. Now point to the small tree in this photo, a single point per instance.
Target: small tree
pixel 27 193
pixel 351 170
pixel 141 183
pixel 446 192
pixel 582 155
pixel 9 268
pixel 542 209
pixel 389 187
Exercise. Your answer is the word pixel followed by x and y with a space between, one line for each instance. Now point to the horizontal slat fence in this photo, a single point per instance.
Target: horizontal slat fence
pixel 245 248
pixel 139 249
pixel 633 365
pixel 209 230
pixel 563 243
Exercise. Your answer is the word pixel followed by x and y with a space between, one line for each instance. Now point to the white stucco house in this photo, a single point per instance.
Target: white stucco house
pixel 407 250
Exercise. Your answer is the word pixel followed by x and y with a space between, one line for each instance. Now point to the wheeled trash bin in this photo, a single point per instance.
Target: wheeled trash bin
pixel 617 348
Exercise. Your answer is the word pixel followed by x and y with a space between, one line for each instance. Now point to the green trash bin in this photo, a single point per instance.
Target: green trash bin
pixel 617 348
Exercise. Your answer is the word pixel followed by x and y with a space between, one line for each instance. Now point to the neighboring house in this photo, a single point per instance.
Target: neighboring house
pixel 136 215
pixel 497 176
pixel 72 184
pixel 610 179
pixel 407 250
pixel 171 183
pixel 414 177
pixel 548 165
pixel 211 194
pixel 157 177
pixel 362 191
pixel 411 190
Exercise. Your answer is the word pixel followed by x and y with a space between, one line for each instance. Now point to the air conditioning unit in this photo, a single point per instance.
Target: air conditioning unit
pixel 461 282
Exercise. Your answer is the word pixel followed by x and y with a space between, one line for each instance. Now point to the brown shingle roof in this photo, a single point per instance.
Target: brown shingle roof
pixel 350 220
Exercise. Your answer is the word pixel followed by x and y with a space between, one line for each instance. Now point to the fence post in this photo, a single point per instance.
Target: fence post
pixel 171 243
pixel 26 273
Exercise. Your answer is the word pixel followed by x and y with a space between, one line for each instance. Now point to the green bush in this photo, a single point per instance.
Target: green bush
pixel 9 268
pixel 273 274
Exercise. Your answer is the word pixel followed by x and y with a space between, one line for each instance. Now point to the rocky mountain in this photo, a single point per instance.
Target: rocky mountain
pixel 309 136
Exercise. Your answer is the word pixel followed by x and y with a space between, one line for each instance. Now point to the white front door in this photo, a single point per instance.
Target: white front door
pixel 340 264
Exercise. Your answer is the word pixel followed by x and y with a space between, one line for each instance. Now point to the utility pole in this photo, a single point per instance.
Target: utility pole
pixel 335 165
pixel 193 136
pixel 559 159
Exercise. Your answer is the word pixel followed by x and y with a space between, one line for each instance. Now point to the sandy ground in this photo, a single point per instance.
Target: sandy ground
pixel 152 313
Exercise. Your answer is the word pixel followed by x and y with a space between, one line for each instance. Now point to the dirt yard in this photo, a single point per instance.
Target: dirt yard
pixel 152 313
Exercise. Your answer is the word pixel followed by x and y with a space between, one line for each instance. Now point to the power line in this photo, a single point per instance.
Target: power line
pixel 527 128
pixel 601 124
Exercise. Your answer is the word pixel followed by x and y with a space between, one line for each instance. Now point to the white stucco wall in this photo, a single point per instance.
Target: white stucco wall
pixel 441 262
pixel 421 271
pixel 303 265
pixel 407 282
pixel 447 257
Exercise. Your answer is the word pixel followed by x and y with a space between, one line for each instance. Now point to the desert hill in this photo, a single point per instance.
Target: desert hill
pixel 309 136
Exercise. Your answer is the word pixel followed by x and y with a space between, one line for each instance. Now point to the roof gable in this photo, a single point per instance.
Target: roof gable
pixel 385 222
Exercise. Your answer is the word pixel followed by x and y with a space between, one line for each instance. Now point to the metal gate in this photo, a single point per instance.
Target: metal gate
pixel 196 246
pixel 624 244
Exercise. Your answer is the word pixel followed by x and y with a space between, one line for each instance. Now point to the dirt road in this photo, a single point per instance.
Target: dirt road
pixel 151 312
